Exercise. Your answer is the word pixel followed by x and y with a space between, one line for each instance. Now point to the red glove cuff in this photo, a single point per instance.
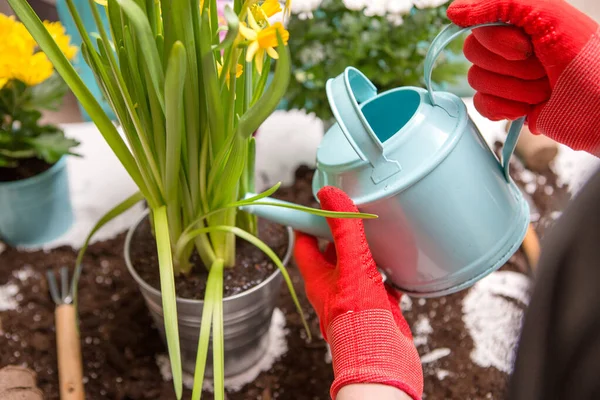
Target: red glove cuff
pixel 572 115
pixel 368 347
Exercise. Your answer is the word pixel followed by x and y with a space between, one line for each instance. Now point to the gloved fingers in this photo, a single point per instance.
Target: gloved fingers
pixel 348 234
pixel 510 88
pixel 330 254
pixel 480 55
pixel 509 42
pixel 473 12
pixel 499 109
pixel 309 258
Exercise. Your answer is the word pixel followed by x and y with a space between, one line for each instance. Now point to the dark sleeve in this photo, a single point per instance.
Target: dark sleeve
pixel 559 350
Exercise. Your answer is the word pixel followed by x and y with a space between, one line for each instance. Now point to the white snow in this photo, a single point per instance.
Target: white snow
pixel 493 320
pixel 435 355
pixel 7 297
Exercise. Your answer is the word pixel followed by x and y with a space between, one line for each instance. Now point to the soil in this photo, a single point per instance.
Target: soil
pixel 252 266
pixel 120 344
pixel 27 168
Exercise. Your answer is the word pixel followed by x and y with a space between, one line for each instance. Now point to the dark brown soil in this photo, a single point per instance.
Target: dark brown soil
pixel 27 168
pixel 252 266
pixel 120 344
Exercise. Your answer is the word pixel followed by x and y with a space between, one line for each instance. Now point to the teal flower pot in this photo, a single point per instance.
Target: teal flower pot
pixel 36 210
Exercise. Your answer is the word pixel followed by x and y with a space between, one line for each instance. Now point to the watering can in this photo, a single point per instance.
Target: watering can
pixel 448 211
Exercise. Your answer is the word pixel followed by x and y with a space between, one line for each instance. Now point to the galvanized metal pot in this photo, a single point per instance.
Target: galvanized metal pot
pixel 247 317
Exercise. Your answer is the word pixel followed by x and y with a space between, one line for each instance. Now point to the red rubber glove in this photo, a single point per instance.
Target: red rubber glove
pixel 546 67
pixel 369 338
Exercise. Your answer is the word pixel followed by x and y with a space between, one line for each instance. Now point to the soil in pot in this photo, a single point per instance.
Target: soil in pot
pixel 27 168
pixel 251 268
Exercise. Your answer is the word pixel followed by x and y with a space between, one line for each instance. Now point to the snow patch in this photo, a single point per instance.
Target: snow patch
pixel 493 320
pixel 435 355
pixel 7 297
pixel 24 273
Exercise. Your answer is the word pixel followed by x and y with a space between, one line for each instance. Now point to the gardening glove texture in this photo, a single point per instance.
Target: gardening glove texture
pixel 546 66
pixel 369 338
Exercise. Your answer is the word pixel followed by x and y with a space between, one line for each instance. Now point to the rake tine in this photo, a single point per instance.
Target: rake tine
pixel 64 282
pixel 53 287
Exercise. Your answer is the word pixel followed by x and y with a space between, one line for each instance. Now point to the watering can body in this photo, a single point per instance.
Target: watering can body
pixel 448 212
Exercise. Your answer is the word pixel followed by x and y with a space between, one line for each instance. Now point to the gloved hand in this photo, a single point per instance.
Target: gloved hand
pixel 369 338
pixel 546 67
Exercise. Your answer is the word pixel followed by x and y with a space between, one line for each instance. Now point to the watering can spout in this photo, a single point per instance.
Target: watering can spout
pixel 298 220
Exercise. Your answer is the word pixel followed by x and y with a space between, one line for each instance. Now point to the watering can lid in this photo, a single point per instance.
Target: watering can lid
pixel 377 136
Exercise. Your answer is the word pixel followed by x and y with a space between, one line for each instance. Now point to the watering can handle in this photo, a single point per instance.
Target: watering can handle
pixel 345 93
pixel 438 44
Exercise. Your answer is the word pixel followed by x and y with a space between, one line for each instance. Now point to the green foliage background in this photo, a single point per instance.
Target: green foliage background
pixel 389 55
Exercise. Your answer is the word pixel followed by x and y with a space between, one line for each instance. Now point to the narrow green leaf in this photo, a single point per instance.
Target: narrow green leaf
pixel 109 216
pixel 233 26
pixel 167 288
pixel 262 82
pixel 268 102
pixel 211 88
pixel 205 325
pixel 174 87
pixel 316 211
pixel 218 334
pixel 114 19
pixel 146 40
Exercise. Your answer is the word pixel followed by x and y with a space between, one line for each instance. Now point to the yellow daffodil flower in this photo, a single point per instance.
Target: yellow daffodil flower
pixel 266 10
pixel 238 71
pixel 262 40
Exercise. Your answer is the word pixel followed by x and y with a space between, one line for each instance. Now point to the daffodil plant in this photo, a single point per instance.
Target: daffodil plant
pixel 188 99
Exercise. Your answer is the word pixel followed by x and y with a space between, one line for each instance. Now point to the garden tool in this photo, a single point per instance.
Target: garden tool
pixel 448 211
pixel 68 346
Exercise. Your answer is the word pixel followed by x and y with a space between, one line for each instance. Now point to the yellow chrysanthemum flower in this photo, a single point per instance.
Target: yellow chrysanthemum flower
pixel 262 40
pixel 238 71
pixel 21 58
pixel 57 31
pixel 35 70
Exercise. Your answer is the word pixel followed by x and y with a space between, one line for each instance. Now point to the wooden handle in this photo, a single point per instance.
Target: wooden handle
pixel 531 247
pixel 70 371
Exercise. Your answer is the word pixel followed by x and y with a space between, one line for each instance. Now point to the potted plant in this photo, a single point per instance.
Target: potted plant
pixel 189 102
pixel 34 188
pixel 387 41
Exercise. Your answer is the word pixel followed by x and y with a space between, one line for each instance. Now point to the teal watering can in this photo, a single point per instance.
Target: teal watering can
pixel 449 213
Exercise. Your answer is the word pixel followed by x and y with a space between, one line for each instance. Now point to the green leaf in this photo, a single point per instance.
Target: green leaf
pixel 233 26
pixel 109 216
pixel 48 95
pixel 174 87
pixel 218 334
pixel 52 146
pixel 167 288
pixel 269 101
pixel 205 325
pixel 147 42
